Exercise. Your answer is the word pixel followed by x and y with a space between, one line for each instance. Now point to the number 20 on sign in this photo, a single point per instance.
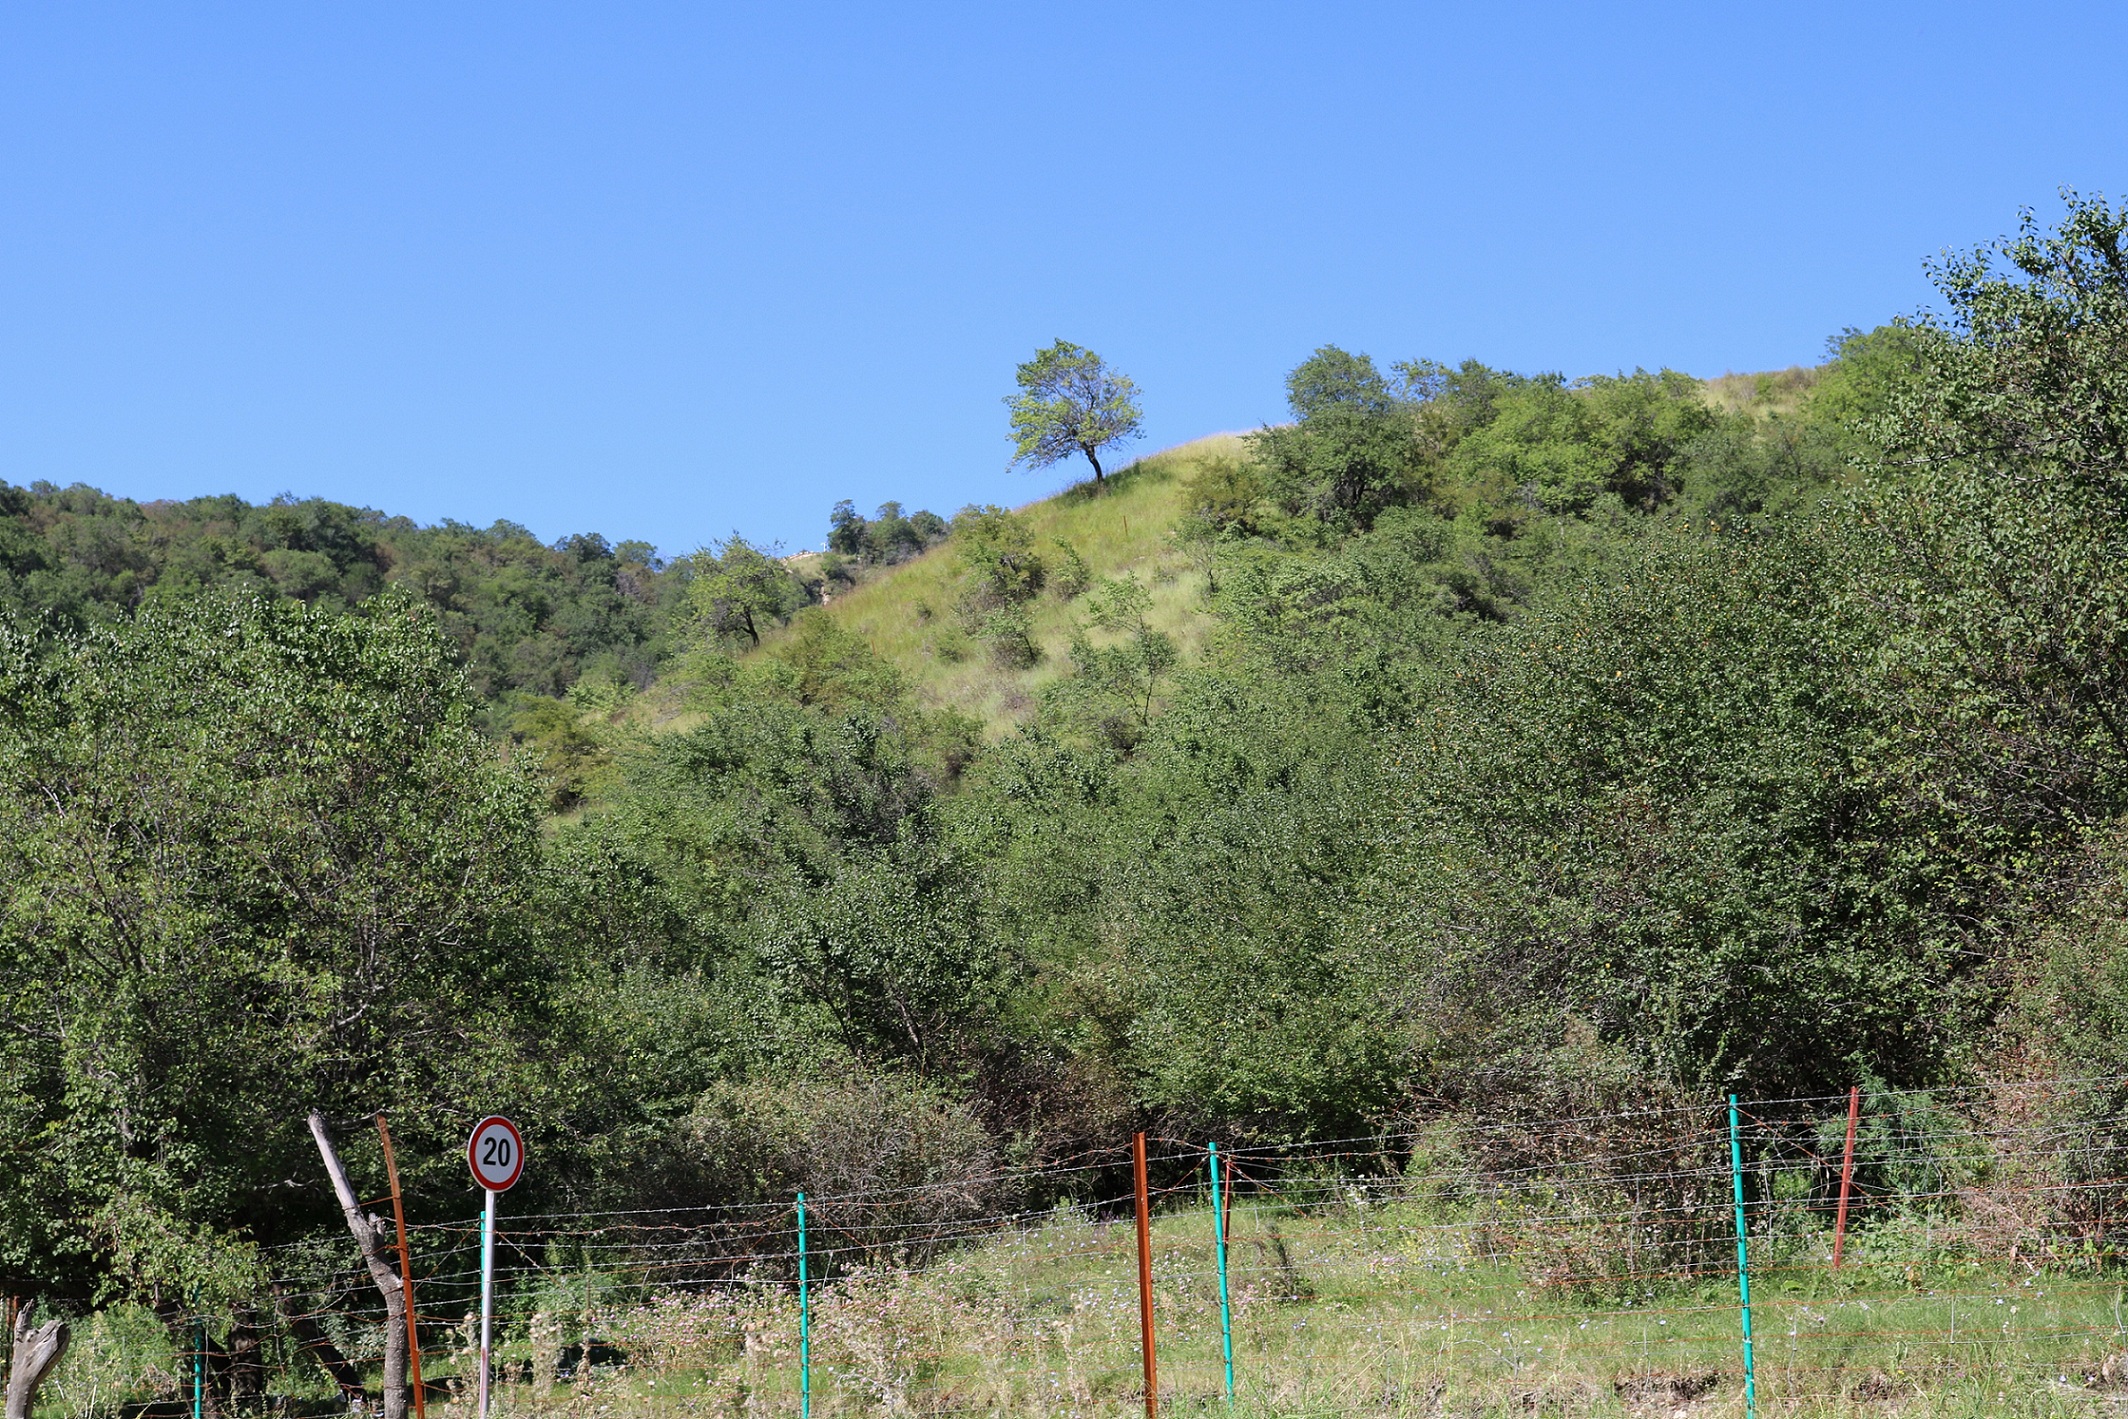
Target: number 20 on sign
pixel 496 1154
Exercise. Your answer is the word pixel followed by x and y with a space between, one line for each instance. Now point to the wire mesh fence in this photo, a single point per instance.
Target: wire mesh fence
pixel 1582 1264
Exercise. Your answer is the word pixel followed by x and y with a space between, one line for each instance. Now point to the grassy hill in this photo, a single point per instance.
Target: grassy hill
pixel 1122 529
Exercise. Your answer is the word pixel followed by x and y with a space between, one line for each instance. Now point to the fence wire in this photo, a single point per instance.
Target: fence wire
pixel 1582 1264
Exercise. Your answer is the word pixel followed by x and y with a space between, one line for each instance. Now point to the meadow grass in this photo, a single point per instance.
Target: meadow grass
pixel 1360 1309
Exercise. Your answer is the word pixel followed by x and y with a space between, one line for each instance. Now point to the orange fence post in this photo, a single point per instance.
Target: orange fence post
pixel 1847 1174
pixel 1145 1280
pixel 406 1275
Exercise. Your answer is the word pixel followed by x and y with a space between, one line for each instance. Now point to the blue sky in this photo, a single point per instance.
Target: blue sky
pixel 669 271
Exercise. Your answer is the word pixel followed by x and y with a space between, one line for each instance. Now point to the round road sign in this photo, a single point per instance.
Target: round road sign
pixel 496 1153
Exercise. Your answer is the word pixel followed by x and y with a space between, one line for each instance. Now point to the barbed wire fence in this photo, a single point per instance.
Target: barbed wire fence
pixel 1555 1264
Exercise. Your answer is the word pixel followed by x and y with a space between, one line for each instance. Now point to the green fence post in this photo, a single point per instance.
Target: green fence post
pixel 805 1325
pixel 1219 1241
pixel 1743 1270
pixel 199 1356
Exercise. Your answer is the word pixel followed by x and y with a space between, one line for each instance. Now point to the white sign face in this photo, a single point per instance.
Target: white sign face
pixel 496 1153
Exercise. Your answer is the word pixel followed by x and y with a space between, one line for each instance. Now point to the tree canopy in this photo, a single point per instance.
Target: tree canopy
pixel 263 862
pixel 1071 402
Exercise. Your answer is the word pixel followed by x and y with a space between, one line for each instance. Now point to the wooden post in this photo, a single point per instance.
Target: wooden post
pixel 406 1274
pixel 1847 1174
pixel 366 1230
pixel 34 1350
pixel 1145 1280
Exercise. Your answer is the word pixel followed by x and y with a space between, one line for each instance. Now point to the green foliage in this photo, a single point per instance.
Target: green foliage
pixel 262 862
pixel 1996 510
pixel 1072 575
pixel 1566 449
pixel 568 739
pixel 1353 449
pixel 846 1131
pixel 997 556
pixel 1857 386
pixel 523 616
pixel 1500 742
pixel 1116 687
pixel 1001 571
pixel 1221 506
pixel 887 537
pixel 1070 402
pixel 1633 810
pixel 794 827
pixel 741 591
pixel 822 664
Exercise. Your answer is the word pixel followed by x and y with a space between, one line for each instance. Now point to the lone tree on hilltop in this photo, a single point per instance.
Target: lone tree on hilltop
pixel 1070 402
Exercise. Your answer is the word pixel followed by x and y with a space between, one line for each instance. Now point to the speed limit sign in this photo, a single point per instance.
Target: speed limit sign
pixel 496 1153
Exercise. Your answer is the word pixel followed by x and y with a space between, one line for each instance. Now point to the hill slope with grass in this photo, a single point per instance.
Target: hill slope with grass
pixel 911 614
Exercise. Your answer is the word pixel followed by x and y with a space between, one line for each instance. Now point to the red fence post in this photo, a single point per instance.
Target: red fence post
pixel 1145 1280
pixel 1847 1174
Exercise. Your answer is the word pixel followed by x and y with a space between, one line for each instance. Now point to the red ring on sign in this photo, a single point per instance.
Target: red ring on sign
pixel 517 1146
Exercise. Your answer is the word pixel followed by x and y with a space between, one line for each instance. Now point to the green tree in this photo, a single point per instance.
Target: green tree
pixel 740 589
pixel 1001 571
pixel 998 561
pixel 1071 402
pixel 1353 448
pixel 1997 507
pixel 1118 679
pixel 523 616
pixel 261 861
pixel 1571 447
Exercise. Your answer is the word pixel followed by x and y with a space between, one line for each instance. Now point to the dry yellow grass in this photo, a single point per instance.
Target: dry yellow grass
pixel 1763 394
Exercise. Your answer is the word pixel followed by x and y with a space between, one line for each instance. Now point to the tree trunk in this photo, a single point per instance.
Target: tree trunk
pixel 369 1235
pixel 1094 461
pixel 36 1351
pixel 244 1372
pixel 318 1345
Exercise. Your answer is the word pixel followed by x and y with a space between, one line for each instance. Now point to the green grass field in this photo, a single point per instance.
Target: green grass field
pixel 1363 1309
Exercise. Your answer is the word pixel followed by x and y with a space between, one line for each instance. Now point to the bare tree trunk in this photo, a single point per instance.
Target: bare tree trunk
pixel 1094 461
pixel 318 1345
pixel 36 1351
pixel 244 1371
pixel 369 1235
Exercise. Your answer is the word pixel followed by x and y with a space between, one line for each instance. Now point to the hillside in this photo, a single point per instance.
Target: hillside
pixel 1492 766
pixel 1125 529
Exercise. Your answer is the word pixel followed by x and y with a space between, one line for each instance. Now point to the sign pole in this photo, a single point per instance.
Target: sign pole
pixel 1145 1281
pixel 487 1295
pixel 199 1356
pixel 496 1154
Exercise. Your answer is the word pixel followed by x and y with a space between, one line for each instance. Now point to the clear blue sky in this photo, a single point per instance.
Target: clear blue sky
pixel 663 271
